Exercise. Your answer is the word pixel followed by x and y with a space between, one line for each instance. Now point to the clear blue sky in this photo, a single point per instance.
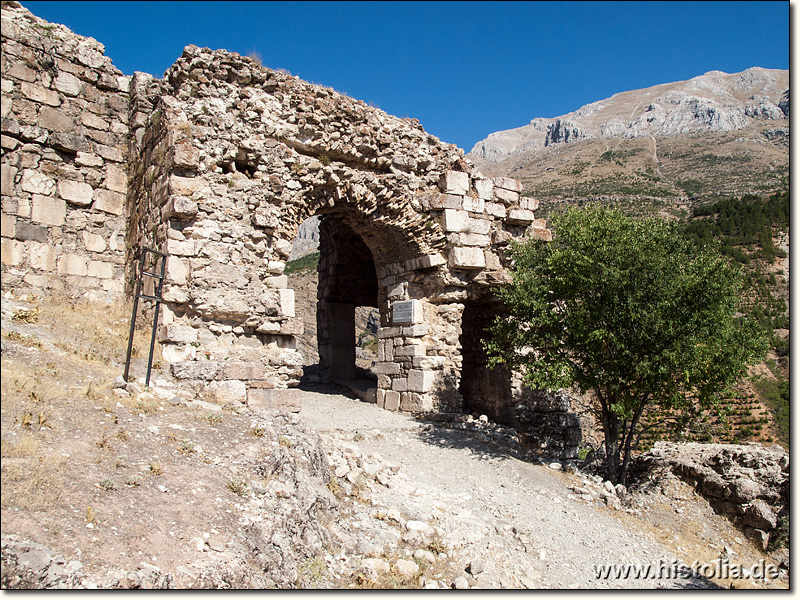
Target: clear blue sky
pixel 464 69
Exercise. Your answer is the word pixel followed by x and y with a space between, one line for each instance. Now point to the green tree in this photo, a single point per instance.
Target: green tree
pixel 630 310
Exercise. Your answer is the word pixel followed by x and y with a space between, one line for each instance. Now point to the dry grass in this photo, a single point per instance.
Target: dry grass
pixel 31 482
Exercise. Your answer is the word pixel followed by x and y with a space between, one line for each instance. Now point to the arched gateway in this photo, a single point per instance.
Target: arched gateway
pixel 218 164
pixel 232 157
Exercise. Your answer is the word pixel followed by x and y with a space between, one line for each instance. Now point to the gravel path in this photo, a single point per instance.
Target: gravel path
pixel 519 523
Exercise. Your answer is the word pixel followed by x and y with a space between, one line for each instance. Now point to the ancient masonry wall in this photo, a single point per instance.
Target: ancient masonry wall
pixel 64 147
pixel 218 164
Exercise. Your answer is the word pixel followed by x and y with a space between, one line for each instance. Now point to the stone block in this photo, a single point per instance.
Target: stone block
pixel 42 256
pixel 276 267
pixel 100 269
pixel 93 242
pixel 37 183
pixel 431 260
pixel 13 252
pixel 475 205
pixel 181 207
pixel 72 264
pixel 87 159
pixel 243 370
pixel 399 384
pixel 410 350
pixel 484 188
pixel 176 353
pixel 185 155
pixel 286 302
pixel 455 220
pixel 467 258
pixel 416 330
pixel 454 182
pixel 479 226
pixel 40 94
pixel 286 400
pixel 407 311
pixel 473 239
pixel 75 192
pixel 420 381
pixel 7 174
pixel 116 180
pixel 93 121
pixel 176 271
pixel 519 216
pixel 496 210
pixel 444 201
pixel 109 153
pixel 278 282
pixel 387 368
pixel 428 362
pixel 8 225
pixel 529 203
pixel 507 183
pixel 226 392
pixel 174 333
pixel 292 326
pixel 69 142
pixel 67 84
pixel 269 327
pixel 181 248
pixel 506 197
pixel 194 369
pixel 55 120
pixel 415 402
pixel 29 232
pixel 19 71
pixel 189 187
pixel 391 400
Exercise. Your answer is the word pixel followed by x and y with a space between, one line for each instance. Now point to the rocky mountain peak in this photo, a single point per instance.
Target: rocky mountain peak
pixel 714 101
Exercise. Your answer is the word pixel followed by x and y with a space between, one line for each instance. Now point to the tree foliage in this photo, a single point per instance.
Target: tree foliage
pixel 630 310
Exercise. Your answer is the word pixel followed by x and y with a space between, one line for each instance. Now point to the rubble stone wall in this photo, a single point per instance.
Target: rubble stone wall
pixel 218 164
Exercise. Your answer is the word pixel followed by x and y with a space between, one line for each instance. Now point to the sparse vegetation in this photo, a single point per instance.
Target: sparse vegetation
pixel 308 262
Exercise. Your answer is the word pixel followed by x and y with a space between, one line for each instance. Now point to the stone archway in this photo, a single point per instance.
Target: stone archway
pixel 233 157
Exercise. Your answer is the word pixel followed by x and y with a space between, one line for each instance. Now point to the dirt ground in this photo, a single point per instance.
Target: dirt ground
pixel 163 477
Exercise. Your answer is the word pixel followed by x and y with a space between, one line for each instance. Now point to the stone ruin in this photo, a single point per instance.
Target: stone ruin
pixel 218 164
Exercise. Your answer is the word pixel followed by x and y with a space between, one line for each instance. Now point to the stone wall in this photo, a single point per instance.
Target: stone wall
pixel 218 164
pixel 64 148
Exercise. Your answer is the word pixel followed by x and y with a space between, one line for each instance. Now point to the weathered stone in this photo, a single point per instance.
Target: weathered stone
pixel 72 264
pixel 454 182
pixel 7 174
pixel 179 334
pixel 467 258
pixel 100 269
pixel 37 183
pixel 75 192
pixel 93 242
pixel 37 93
pixel 519 216
pixel 760 516
pixel 116 180
pixel 420 381
pixel 51 118
pixel 203 370
pixel 48 211
pixel 287 400
pixel 8 225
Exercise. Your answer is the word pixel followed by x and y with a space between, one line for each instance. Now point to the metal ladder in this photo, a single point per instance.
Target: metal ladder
pixel 157 298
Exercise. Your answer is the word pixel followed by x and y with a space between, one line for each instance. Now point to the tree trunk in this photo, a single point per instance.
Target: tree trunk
pixel 611 434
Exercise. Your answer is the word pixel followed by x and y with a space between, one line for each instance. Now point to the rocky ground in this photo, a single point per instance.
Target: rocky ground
pixel 109 485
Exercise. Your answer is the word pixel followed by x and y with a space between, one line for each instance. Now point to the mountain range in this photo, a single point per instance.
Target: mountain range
pixel 713 135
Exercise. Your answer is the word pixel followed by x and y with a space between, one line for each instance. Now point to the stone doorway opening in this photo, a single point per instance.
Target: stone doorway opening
pixel 336 288
pixel 485 390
